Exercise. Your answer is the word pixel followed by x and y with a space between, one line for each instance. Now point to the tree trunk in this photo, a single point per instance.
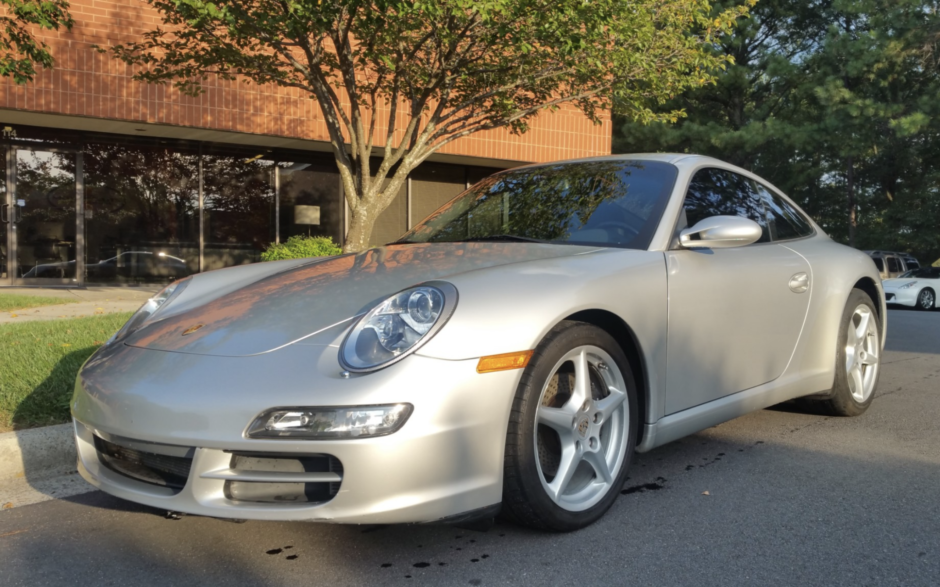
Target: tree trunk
pixel 360 229
pixel 850 197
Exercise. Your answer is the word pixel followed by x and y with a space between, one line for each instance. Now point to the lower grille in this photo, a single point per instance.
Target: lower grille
pixel 282 468
pixel 155 469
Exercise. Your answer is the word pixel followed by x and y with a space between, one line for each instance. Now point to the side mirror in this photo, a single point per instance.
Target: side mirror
pixel 720 232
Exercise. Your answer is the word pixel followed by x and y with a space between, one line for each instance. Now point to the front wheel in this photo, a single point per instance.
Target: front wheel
pixel 572 430
pixel 925 299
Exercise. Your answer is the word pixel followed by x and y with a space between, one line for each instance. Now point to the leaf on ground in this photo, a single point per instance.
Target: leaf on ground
pixel 706 493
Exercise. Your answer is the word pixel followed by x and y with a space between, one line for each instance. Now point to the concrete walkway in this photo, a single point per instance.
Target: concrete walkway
pixel 83 302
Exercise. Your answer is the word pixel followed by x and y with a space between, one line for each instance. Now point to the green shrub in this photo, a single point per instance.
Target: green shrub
pixel 301 247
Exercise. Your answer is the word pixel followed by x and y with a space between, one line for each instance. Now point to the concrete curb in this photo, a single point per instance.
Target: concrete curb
pixel 38 465
pixel 37 453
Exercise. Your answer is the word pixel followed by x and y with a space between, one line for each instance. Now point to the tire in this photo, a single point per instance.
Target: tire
pixel 564 472
pixel 926 299
pixel 852 393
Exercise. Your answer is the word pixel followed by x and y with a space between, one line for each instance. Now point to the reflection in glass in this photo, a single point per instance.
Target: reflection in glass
pixel 310 201
pixel 45 222
pixel 718 192
pixel 239 209
pixel 141 213
pixel 612 203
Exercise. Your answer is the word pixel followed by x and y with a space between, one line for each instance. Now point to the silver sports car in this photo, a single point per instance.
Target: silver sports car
pixel 509 354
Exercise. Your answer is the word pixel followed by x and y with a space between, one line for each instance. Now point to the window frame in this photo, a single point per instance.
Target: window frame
pixel 715 164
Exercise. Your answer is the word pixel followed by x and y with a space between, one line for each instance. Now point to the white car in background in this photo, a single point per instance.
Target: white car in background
pixel 916 288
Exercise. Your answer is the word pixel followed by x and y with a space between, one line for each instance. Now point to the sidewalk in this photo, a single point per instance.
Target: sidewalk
pixel 92 301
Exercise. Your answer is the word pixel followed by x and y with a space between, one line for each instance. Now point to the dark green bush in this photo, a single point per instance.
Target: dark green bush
pixel 301 247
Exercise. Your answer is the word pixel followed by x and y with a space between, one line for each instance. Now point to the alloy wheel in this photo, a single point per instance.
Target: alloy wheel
pixel 862 346
pixel 581 428
pixel 925 299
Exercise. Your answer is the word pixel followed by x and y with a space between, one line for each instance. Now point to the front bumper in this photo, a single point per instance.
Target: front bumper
pixel 902 297
pixel 445 461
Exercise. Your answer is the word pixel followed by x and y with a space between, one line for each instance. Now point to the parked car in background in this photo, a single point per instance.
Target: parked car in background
pixel 891 264
pixel 510 353
pixel 916 288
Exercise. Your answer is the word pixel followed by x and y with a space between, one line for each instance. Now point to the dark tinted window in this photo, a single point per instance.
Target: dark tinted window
pixel 614 203
pixel 893 265
pixel 880 264
pixel 785 221
pixel 717 192
pixel 924 273
pixel 911 263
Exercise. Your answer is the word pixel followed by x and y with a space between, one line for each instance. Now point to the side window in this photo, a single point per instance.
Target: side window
pixel 717 192
pixel 893 265
pixel 785 221
pixel 879 263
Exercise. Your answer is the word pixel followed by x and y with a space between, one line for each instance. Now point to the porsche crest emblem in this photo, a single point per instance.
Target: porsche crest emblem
pixel 192 329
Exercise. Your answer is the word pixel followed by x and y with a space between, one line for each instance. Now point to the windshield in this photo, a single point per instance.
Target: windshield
pixel 608 203
pixel 924 273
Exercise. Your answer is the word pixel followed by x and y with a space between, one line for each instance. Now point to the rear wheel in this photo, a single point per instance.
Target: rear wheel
pixel 572 431
pixel 858 358
pixel 926 299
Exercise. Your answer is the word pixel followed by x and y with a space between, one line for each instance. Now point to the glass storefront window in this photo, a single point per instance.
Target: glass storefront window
pixel 141 204
pixel 310 203
pixel 239 209
pixel 141 213
pixel 44 211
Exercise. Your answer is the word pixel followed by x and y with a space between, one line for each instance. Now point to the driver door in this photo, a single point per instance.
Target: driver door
pixel 734 320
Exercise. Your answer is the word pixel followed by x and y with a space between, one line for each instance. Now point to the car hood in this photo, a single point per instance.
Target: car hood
pixel 896 281
pixel 279 309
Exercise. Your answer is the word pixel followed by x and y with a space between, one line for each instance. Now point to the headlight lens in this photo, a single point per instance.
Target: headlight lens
pixel 150 307
pixel 397 327
pixel 908 285
pixel 330 423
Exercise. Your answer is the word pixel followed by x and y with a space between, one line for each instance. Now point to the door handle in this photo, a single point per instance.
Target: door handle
pixel 3 216
pixel 799 283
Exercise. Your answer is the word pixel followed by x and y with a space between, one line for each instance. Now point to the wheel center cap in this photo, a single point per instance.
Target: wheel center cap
pixel 583 426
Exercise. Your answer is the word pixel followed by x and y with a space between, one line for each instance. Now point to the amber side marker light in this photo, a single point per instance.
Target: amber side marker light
pixel 504 362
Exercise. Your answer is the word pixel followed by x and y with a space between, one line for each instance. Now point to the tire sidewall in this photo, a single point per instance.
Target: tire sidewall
pixel 842 395
pixel 547 355
pixel 920 297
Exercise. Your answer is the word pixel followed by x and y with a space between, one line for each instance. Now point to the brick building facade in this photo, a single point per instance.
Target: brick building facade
pixel 145 184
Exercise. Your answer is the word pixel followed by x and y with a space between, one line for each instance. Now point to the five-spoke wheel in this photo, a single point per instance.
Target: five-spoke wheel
pixel 858 358
pixel 572 430
pixel 581 436
pixel 861 352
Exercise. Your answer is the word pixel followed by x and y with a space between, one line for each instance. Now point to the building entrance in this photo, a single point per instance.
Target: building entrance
pixel 40 231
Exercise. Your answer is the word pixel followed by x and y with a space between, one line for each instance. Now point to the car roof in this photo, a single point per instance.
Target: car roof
pixel 672 158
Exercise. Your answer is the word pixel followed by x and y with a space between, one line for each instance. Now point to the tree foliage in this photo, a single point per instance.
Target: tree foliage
pixel 399 79
pixel 834 101
pixel 19 49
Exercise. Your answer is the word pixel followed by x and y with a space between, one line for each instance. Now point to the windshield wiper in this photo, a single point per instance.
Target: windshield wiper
pixel 499 237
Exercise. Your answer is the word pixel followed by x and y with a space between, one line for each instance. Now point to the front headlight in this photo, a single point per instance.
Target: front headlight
pixel 908 285
pixel 397 327
pixel 150 308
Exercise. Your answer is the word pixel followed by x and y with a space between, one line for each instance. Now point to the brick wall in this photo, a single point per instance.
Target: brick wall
pixel 87 83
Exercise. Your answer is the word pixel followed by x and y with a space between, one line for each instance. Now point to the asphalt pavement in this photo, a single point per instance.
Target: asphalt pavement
pixel 777 497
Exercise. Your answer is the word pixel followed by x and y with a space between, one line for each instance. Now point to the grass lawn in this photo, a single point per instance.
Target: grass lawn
pixel 38 364
pixel 9 302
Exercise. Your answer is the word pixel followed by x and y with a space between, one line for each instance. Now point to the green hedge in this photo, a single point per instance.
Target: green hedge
pixel 301 247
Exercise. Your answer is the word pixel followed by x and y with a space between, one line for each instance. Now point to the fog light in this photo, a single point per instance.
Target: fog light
pixel 330 423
